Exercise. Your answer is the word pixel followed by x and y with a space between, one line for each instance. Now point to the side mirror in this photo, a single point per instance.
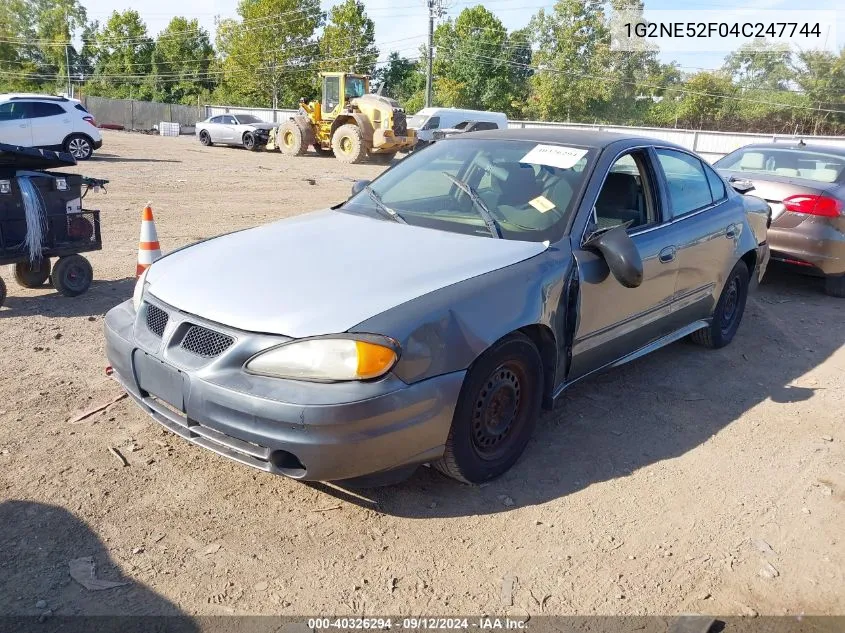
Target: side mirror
pixel 741 185
pixel 358 186
pixel 621 255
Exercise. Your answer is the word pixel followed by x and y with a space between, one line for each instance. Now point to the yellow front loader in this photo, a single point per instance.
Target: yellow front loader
pixel 348 121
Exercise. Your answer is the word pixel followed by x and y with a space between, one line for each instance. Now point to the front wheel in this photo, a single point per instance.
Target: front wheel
pixel 729 310
pixel 291 140
pixel 250 142
pixel 205 138
pixel 348 144
pixel 79 146
pixel 32 274
pixel 496 411
pixel 72 275
pixel 2 292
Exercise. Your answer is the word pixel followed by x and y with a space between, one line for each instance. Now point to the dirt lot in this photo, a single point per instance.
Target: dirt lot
pixel 688 481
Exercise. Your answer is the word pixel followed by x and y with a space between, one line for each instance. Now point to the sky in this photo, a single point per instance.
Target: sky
pixel 401 24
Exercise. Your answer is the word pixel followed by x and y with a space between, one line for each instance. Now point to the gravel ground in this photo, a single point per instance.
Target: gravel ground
pixel 687 481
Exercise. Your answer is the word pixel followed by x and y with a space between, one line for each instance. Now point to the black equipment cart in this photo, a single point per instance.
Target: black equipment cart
pixel 41 218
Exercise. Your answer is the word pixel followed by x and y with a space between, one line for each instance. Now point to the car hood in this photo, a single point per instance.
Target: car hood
pixel 262 126
pixel 323 272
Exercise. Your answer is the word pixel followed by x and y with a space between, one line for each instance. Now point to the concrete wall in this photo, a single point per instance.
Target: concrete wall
pixel 141 115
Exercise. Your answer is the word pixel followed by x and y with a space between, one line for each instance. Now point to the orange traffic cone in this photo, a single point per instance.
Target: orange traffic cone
pixel 148 247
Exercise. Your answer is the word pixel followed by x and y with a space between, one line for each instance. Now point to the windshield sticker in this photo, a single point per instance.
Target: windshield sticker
pixel 554 156
pixel 542 204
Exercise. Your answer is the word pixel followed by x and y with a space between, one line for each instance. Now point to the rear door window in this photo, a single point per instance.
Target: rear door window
pixel 39 109
pixel 688 185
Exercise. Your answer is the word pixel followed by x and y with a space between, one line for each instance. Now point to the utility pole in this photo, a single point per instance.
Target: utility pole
pixel 67 55
pixel 436 9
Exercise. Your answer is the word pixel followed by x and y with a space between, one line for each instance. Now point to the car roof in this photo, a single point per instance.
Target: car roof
pixel 829 149
pixel 584 138
pixel 33 95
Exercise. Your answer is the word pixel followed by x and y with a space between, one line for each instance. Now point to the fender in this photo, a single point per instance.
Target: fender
pixel 359 119
pixel 304 124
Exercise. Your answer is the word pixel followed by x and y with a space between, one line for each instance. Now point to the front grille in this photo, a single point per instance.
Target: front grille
pixel 206 343
pixel 400 123
pixel 156 320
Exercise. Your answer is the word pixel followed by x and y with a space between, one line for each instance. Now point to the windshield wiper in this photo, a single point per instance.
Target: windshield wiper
pixel 483 211
pixel 383 208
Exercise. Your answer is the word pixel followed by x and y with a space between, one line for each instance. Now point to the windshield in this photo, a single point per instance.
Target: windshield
pixel 248 118
pixel 354 87
pixel 793 163
pixel 528 188
pixel 417 120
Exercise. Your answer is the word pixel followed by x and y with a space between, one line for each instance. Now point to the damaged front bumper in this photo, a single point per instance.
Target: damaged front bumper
pixel 187 374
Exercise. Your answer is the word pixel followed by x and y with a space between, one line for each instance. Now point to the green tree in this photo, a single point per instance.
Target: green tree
pixel 122 55
pixel 571 46
pixel 706 101
pixel 402 78
pixel 821 76
pixel 761 64
pixel 348 40
pixel 472 63
pixel 55 23
pixel 18 60
pixel 181 62
pixel 268 56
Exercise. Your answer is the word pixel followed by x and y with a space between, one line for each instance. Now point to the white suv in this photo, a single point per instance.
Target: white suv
pixel 46 122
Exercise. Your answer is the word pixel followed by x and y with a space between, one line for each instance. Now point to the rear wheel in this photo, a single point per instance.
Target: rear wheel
pixel 79 146
pixel 348 145
pixel 250 142
pixel 205 138
pixel 729 310
pixel 496 412
pixel 2 292
pixel 835 286
pixel 72 275
pixel 32 275
pixel 290 139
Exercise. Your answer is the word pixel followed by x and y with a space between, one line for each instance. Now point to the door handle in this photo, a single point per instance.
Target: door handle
pixel 24 125
pixel 667 255
pixel 731 231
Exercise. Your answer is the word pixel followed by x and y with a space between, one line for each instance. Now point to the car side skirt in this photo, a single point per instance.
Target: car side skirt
pixel 646 349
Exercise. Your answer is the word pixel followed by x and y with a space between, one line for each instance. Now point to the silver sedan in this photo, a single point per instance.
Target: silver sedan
pixel 245 130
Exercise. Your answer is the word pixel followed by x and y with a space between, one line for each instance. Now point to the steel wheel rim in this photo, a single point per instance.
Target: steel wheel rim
pixel 498 410
pixel 346 145
pixel 731 305
pixel 75 277
pixel 79 147
pixel 288 139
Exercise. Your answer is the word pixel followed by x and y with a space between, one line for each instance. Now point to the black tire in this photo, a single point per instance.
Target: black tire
pixel 250 142
pixel 72 275
pixel 729 310
pixel 79 146
pixel 496 413
pixel 290 139
pixel 322 152
pixel 32 275
pixel 348 145
pixel 2 292
pixel 205 138
pixel 835 286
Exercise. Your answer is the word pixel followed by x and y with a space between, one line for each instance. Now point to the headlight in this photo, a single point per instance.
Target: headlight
pixel 140 286
pixel 328 359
